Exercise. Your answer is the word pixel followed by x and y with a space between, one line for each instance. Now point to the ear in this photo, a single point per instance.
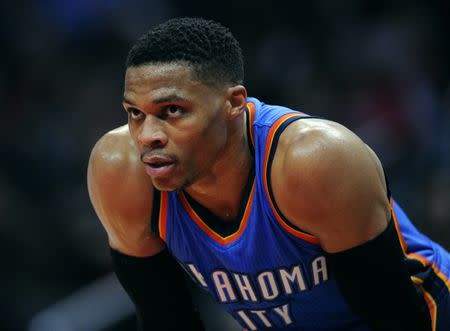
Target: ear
pixel 237 100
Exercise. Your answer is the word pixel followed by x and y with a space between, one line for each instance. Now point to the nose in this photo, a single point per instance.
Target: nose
pixel 152 133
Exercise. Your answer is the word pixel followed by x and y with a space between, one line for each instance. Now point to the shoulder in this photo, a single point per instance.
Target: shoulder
pixel 114 150
pixel 113 160
pixel 326 180
pixel 121 192
pixel 322 151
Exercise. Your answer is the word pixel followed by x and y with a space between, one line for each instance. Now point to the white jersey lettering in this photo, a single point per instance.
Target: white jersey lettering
pixel 245 288
pixel 197 275
pixel 262 317
pixel 293 277
pixel 283 312
pixel 319 269
pixel 268 285
pixel 246 320
pixel 223 286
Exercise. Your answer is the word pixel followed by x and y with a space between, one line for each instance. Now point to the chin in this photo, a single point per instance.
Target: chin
pixel 168 185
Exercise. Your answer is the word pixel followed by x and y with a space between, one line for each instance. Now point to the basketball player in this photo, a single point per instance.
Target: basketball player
pixel 285 218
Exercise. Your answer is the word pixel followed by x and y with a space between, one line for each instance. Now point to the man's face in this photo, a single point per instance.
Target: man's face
pixel 178 123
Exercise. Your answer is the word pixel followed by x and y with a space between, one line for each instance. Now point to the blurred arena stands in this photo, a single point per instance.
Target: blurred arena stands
pixel 384 72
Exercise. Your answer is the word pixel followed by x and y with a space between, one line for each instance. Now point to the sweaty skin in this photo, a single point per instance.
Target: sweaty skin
pixel 192 136
pixel 329 183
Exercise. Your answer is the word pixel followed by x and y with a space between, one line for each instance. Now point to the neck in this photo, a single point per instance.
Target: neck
pixel 222 188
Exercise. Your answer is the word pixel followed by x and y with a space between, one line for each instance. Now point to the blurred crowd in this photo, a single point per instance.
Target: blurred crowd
pixel 381 71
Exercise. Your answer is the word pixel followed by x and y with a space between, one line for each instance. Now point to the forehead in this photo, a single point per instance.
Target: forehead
pixel 158 71
pixel 156 80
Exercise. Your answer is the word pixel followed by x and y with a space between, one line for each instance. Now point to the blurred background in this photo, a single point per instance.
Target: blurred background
pixel 383 71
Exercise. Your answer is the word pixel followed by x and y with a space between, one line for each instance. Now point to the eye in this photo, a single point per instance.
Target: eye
pixel 135 114
pixel 173 110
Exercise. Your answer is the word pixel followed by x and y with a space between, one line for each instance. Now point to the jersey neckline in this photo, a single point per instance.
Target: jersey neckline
pixel 217 229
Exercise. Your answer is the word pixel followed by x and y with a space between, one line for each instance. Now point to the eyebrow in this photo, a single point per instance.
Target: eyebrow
pixel 125 100
pixel 172 97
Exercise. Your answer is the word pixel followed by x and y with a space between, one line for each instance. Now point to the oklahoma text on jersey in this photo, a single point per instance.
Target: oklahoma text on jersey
pixel 265 286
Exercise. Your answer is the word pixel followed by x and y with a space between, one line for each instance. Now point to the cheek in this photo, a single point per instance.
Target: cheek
pixel 205 144
pixel 212 145
pixel 216 137
pixel 200 136
pixel 132 130
pixel 216 128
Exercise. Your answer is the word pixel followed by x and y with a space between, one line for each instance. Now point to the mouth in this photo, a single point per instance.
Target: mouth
pixel 159 170
pixel 158 165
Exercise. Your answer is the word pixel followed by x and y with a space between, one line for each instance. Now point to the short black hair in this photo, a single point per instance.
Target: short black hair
pixel 207 46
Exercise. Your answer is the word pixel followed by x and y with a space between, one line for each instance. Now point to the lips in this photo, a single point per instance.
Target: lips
pixel 157 160
pixel 158 165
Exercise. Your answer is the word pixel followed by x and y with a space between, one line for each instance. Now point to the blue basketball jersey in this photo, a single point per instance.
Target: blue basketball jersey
pixel 268 274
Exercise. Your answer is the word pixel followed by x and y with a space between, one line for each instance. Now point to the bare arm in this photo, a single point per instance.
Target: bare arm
pixel 329 183
pixel 122 194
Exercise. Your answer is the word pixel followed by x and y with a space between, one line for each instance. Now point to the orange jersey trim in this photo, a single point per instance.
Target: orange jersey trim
pixel 163 210
pixel 433 266
pixel 210 232
pixel 416 256
pixel 432 307
pixel 397 228
pixel 417 280
pixel 270 137
pixel 441 275
pixel 251 117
